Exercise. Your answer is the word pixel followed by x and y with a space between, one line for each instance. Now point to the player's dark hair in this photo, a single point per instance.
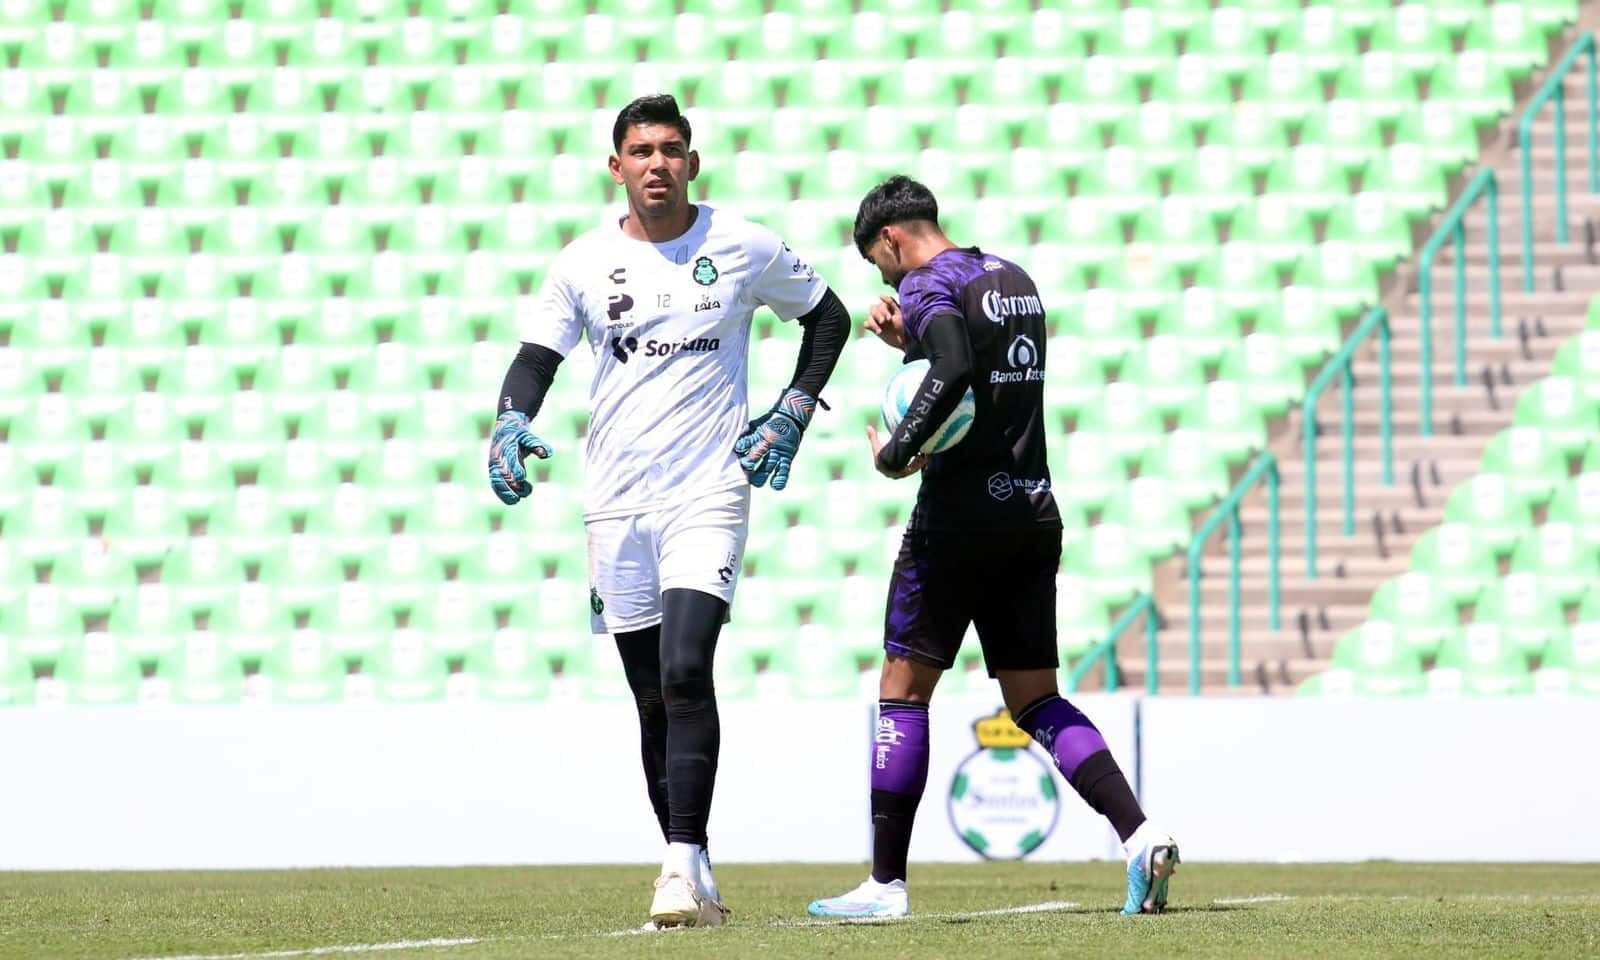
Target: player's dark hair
pixel 659 108
pixel 898 199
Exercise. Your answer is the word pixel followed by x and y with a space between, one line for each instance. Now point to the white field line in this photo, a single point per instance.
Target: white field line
pixel 437 943
pixel 1263 898
pixel 445 943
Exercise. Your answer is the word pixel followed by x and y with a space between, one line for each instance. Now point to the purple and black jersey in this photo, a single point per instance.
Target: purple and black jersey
pixel 997 477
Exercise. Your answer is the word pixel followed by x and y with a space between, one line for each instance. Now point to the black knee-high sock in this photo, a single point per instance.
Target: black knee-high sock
pixel 690 623
pixel 641 662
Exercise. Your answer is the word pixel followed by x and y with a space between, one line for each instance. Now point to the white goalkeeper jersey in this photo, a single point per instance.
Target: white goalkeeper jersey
pixel 669 324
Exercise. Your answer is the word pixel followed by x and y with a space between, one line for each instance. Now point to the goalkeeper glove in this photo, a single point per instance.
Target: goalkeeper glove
pixel 510 442
pixel 768 447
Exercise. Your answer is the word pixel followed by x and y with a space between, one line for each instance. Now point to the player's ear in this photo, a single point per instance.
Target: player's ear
pixel 615 166
pixel 694 164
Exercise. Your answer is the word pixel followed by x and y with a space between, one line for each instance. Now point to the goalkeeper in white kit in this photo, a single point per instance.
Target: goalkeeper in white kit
pixel 664 295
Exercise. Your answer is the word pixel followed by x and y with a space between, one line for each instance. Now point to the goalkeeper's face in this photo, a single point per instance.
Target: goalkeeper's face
pixel 655 165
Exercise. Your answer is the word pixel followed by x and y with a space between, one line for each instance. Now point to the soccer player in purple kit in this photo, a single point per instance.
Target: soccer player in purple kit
pixel 983 543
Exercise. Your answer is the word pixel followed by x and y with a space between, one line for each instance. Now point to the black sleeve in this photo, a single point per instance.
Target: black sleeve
pixel 528 379
pixel 949 351
pixel 826 328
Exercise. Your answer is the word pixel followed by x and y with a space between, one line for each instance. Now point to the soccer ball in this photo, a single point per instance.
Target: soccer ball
pixel 897 400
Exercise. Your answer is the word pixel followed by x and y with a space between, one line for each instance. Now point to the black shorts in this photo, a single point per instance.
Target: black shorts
pixel 1004 583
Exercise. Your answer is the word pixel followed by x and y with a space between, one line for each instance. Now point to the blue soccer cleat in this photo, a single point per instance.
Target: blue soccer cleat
pixel 1149 868
pixel 870 900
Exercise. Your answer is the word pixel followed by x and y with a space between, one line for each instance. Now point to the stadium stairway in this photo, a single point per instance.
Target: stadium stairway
pixel 1389 519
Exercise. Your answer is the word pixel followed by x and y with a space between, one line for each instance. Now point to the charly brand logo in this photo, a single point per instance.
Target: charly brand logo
pixel 705 272
pixel 619 275
pixel 725 572
pixel 997 306
pixel 1003 798
pixel 1023 356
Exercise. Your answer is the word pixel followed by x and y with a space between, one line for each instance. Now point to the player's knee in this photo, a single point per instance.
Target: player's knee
pixel 685 680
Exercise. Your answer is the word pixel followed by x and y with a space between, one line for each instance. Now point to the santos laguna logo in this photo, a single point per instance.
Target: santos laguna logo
pixel 997 306
pixel 1003 798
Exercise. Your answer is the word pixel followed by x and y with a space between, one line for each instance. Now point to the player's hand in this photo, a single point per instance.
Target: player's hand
pixel 878 443
pixel 768 447
pixel 508 445
pixel 884 319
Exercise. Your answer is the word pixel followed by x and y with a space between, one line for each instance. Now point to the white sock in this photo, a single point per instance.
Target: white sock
pixel 1137 841
pixel 708 883
pixel 682 859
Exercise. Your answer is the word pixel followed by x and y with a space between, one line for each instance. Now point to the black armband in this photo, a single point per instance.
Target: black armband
pixel 949 351
pixel 528 379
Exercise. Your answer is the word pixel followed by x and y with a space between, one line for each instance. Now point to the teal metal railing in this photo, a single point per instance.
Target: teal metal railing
pixel 1265 468
pixel 1453 228
pixel 1552 91
pixel 1376 320
pixel 1144 604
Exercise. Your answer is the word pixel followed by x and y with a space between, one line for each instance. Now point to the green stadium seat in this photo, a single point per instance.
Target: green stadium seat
pixel 1525 609
pixel 1149 511
pixel 1563 414
pixel 1379 664
pixel 1127 420
pixel 1571 665
pixel 1113 566
pixel 1385 90
pixel 1082 621
pixel 1510 38
pixel 1481 663
pixel 1300 318
pixel 98 672
pixel 1196 475
pixel 407 669
pixel 1202 323
pixel 251 619
pixel 1101 87
pixel 1236 428
pixel 1180 230
pixel 1480 90
pixel 1420 610
pixel 1578 503
pixel 203 572
pixel 1459 561
pixel 1266 373
pixel 202 670
pixel 1414 37
pixel 1564 563
pixel 1169 377
pixel 1090 469
pixel 1232 42
pixel 1579 359
pixel 1288 89
pixel 1376 230
pixel 1490 505
pixel 16 674
pixel 304 668
pixel 1531 463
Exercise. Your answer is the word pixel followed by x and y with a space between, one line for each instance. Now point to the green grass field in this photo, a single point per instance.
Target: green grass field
pixel 1360 910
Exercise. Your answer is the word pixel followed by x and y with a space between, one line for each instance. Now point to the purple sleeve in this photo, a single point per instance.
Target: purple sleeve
pixel 923 296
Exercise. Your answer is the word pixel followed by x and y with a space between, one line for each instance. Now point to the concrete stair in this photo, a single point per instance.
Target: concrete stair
pixel 1388 519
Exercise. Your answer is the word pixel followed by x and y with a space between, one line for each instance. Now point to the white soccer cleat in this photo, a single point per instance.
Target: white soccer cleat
pixel 677 902
pixel 871 899
pixel 1152 860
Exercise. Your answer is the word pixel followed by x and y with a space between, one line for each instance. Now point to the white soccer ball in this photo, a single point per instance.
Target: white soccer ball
pixel 898 397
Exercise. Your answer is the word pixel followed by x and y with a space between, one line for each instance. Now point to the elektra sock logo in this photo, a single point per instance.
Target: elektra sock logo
pixel 887 738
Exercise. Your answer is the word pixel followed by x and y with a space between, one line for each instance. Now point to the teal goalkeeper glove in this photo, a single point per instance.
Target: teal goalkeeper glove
pixel 768 447
pixel 510 442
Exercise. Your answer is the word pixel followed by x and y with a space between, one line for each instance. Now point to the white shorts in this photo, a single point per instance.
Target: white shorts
pixel 697 545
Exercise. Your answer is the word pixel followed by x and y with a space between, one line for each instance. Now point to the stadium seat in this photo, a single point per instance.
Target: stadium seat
pixel 1459 562
pixel 1483 662
pixel 1419 610
pixel 1379 665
